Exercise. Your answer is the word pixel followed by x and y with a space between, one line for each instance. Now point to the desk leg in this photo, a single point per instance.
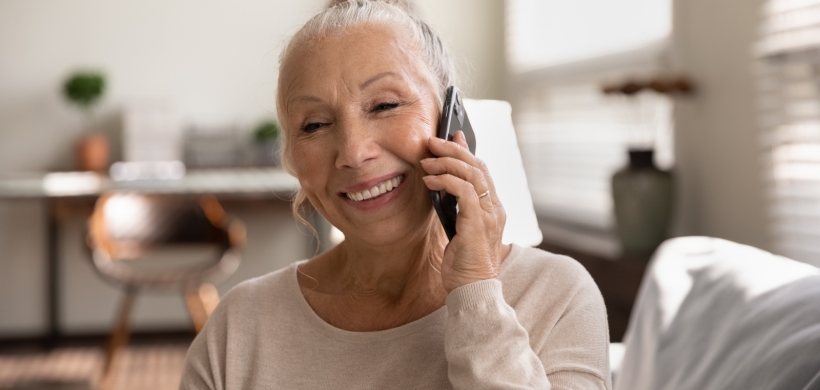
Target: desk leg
pixel 53 277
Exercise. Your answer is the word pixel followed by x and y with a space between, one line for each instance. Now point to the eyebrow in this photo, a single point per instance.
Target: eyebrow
pixel 305 98
pixel 376 78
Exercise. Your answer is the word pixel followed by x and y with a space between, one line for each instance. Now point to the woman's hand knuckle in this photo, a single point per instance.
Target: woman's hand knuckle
pixel 476 173
pixel 483 165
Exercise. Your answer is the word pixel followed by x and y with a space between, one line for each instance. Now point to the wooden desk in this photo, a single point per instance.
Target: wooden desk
pixel 64 191
pixel 618 280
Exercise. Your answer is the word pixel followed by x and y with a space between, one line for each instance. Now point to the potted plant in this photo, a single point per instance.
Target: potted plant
pixel 266 137
pixel 84 90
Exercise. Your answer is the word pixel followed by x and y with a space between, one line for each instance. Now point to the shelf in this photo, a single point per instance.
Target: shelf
pixel 228 181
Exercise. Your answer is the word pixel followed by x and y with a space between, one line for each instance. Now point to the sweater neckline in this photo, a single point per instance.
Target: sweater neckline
pixel 438 316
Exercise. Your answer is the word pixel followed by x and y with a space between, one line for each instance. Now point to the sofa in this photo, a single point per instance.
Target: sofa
pixel 713 314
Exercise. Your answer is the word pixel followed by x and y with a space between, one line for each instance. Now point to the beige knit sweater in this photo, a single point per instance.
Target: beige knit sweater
pixel 540 325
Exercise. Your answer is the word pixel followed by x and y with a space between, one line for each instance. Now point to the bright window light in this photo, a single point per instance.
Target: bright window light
pixel 551 32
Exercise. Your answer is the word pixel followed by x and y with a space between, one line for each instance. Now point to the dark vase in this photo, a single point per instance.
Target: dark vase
pixel 642 196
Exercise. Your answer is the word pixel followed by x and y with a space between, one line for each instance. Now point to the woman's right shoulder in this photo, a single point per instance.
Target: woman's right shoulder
pixel 248 312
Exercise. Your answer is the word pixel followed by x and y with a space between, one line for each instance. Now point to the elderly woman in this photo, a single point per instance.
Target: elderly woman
pixel 396 305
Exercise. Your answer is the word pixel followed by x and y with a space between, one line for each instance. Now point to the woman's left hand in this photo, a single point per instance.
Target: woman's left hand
pixel 476 252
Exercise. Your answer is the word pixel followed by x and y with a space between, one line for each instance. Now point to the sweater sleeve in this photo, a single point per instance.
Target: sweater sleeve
pixel 576 351
pixel 486 347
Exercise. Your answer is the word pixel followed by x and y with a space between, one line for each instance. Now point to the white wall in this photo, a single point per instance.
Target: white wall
pixel 474 31
pixel 717 137
pixel 217 61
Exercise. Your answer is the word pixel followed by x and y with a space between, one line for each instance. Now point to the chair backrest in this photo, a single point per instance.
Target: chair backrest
pixel 127 224
pixel 497 146
pixel 713 314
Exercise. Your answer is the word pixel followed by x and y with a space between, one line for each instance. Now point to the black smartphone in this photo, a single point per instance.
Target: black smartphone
pixel 453 118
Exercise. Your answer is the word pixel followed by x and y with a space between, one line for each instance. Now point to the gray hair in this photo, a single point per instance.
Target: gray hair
pixel 343 14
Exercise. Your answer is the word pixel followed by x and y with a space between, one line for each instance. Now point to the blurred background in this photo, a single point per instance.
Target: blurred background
pixel 702 101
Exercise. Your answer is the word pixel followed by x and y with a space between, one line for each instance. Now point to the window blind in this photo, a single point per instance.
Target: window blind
pixel 572 136
pixel 788 70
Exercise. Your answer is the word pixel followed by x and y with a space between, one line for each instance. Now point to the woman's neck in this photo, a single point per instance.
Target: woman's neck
pixel 392 271
pixel 358 286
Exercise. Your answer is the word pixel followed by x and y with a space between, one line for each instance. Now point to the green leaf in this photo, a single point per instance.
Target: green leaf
pixel 267 130
pixel 84 88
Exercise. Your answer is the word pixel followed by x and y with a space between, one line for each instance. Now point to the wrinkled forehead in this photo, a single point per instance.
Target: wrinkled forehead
pixel 350 56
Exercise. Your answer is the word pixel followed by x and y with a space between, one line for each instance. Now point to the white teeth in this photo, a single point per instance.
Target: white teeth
pixel 379 189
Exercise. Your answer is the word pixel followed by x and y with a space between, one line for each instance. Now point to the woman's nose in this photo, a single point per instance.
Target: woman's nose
pixel 357 146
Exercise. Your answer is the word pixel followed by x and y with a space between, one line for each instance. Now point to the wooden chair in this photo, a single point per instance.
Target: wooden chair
pixel 127 229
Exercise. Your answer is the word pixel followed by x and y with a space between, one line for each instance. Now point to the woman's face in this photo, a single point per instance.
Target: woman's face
pixel 358 115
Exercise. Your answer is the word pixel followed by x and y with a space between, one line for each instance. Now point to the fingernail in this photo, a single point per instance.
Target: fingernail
pixel 427 160
pixel 438 140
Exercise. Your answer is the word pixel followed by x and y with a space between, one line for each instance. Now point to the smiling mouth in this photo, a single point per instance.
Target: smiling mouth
pixel 377 190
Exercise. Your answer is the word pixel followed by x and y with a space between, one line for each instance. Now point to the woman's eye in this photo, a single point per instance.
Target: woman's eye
pixel 311 127
pixel 385 106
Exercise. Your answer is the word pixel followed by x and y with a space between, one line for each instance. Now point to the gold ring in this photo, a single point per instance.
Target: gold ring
pixel 484 194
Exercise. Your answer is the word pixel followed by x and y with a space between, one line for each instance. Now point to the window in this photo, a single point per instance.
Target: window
pixel 788 72
pixel 543 33
pixel 572 136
